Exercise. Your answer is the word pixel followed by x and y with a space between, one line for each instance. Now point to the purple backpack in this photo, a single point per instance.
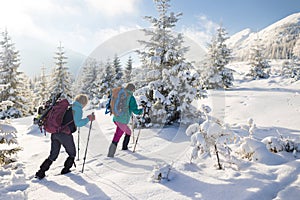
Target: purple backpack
pixel 53 122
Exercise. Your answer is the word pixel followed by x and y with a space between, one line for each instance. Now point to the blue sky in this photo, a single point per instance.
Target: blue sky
pixel 82 25
pixel 237 15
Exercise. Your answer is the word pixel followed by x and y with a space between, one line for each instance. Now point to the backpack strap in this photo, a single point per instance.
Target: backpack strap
pixel 107 105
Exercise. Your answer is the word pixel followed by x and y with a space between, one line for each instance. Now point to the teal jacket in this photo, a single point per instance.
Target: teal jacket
pixel 77 115
pixel 133 108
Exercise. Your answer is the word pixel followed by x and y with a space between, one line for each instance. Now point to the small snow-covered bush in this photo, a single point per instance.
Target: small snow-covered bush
pixel 210 137
pixel 259 150
pixel 8 144
pixel 250 149
pixel 160 172
pixel 275 144
pixel 8 111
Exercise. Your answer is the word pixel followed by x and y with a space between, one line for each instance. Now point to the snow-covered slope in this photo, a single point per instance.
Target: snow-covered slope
pixel 238 38
pixel 274 105
pixel 279 39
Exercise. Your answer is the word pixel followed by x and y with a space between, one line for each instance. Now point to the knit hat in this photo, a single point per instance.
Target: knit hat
pixel 130 87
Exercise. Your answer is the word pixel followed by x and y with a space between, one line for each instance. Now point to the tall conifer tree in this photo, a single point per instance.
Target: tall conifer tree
pixel 9 64
pixel 61 80
pixel 170 86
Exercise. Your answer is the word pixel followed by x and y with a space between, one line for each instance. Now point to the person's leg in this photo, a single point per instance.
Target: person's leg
pixel 114 143
pixel 43 168
pixel 55 147
pixel 127 131
pixel 126 142
pixel 69 145
pixel 118 134
pixel 124 128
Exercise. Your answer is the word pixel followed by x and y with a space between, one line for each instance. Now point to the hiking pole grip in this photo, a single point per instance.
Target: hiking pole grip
pixel 87 143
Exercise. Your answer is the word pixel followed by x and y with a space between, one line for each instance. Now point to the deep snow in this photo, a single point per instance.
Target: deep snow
pixel 273 104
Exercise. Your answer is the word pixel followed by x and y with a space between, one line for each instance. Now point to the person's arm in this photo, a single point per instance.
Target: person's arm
pixel 134 107
pixel 77 116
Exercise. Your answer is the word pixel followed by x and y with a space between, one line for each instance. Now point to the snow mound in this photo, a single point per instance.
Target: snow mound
pixel 257 151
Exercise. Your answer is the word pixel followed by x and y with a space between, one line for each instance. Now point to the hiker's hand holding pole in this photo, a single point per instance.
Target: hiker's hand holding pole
pixel 91 117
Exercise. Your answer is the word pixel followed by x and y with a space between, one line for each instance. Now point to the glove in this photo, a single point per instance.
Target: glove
pixel 91 117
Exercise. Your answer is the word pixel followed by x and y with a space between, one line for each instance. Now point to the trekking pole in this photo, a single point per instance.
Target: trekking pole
pixel 132 128
pixel 87 145
pixel 78 143
pixel 137 138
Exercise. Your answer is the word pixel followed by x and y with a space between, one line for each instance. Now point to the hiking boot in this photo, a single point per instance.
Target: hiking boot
pixel 125 142
pixel 112 149
pixel 65 171
pixel 43 168
pixel 67 165
pixel 40 174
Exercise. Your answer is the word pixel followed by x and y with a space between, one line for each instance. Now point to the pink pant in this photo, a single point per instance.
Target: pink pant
pixel 121 128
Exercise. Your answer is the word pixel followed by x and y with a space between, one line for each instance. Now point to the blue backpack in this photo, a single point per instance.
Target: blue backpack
pixel 117 103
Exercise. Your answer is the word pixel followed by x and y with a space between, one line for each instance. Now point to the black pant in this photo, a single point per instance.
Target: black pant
pixel 66 140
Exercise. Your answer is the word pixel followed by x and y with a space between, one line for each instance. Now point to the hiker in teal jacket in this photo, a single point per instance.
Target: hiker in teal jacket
pixel 122 120
pixel 77 116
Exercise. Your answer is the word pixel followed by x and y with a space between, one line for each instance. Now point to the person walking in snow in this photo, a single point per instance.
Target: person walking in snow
pixel 66 140
pixel 123 119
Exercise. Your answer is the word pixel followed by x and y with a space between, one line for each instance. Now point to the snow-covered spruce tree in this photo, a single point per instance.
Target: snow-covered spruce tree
pixel 296 49
pixel 127 73
pixel 88 77
pixel 117 71
pixel 91 80
pixel 9 64
pixel 8 143
pixel 41 88
pixel 107 81
pixel 61 78
pixel 25 95
pixel 211 137
pixel 291 69
pixel 259 65
pixel 214 74
pixel 98 96
pixel 169 86
pixel 296 60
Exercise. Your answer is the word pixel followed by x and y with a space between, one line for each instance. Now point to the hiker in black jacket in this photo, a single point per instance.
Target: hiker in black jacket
pixel 66 140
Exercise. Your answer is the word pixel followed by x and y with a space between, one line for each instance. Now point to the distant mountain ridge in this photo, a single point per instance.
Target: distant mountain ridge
pixel 279 39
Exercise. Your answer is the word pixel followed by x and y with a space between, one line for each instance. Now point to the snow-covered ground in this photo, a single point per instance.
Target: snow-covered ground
pixel 273 104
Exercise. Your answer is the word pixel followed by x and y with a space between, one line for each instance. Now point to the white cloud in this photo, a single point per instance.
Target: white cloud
pixel 202 32
pixel 113 7
pixel 67 21
pixel 98 37
pixel 85 41
pixel 21 17
pixel 206 24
